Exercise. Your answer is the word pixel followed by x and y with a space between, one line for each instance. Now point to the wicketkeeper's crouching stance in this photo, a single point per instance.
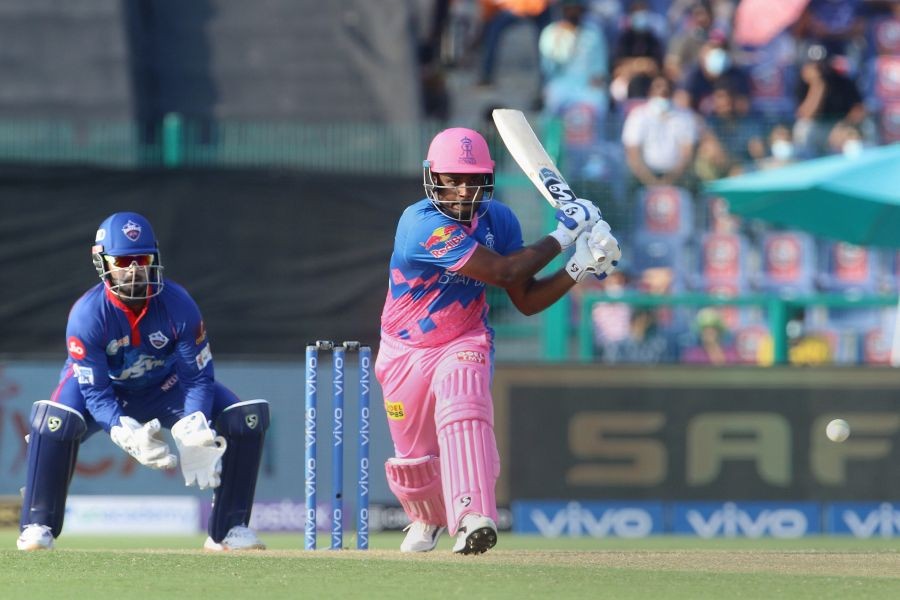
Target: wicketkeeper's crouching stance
pixel 139 361
pixel 435 361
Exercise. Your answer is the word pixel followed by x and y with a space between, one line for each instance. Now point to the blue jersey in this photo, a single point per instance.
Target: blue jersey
pixel 118 356
pixel 428 303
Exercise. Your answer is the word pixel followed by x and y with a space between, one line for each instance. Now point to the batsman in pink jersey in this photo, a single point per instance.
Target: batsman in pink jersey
pixel 435 363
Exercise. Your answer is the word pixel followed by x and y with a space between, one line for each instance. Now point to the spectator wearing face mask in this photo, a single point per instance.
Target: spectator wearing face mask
pixel 637 56
pixel 659 138
pixel 781 149
pixel 847 140
pixel 714 69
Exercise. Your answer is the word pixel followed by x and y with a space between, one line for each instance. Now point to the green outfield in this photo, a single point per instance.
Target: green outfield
pixel 672 568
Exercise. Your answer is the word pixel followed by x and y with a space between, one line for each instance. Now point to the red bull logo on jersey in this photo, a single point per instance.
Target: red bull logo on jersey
pixel 443 239
pixel 132 230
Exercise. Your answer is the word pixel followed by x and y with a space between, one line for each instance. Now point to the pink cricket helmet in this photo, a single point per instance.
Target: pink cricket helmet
pixel 459 150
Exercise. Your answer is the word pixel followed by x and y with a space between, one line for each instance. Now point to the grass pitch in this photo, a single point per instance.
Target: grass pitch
pixel 671 568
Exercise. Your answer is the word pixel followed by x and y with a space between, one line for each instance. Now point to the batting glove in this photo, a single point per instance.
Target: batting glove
pixel 597 252
pixel 574 217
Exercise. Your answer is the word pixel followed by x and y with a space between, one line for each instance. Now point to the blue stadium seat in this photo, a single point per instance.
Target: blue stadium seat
pixel 875 345
pixel 847 268
pixel 722 264
pixel 664 211
pixel 787 263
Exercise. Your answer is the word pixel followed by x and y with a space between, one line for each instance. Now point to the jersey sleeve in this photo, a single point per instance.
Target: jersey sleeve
pixel 87 354
pixel 437 240
pixel 512 232
pixel 194 362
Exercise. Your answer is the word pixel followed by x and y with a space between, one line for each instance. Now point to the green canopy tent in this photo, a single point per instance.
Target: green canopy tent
pixel 853 199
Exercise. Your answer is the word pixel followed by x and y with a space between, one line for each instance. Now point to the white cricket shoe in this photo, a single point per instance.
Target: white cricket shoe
pixel 421 537
pixel 476 534
pixel 237 538
pixel 35 537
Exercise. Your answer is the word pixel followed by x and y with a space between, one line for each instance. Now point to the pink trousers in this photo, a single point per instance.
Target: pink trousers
pixel 438 404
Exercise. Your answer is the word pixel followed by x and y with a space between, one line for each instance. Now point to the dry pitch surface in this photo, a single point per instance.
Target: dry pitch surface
pixel 854 564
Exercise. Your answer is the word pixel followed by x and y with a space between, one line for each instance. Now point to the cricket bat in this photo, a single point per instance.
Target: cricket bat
pixel 531 156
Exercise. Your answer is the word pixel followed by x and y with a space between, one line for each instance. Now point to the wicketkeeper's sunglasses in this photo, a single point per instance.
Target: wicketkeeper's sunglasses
pixel 123 262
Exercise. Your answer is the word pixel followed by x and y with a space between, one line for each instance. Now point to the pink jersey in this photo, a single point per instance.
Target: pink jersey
pixel 428 302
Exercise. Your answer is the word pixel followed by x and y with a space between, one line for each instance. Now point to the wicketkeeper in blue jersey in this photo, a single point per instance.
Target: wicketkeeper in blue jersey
pixel 139 361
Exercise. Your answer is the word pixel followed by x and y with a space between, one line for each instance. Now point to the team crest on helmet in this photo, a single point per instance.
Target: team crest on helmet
pixel 466 157
pixel 158 339
pixel 252 421
pixel 132 230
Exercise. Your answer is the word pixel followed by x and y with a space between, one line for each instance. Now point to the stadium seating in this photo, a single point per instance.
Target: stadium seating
pixel 787 263
pixel 847 268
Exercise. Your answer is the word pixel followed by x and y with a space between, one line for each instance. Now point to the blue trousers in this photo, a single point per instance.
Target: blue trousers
pixel 167 404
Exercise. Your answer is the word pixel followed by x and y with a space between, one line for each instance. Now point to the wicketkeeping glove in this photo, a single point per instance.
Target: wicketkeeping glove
pixel 201 450
pixel 574 217
pixel 143 442
pixel 597 252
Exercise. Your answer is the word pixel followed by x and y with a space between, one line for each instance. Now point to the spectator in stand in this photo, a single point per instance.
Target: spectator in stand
pixel 713 349
pixel 781 149
pixel 611 320
pixel 684 47
pixel 659 139
pixel 847 140
pixel 713 160
pixel 742 135
pixel 637 56
pixel 435 96
pixel 574 58
pixel 836 25
pixel 497 16
pixel 826 97
pixel 729 142
pixel 645 343
pixel 714 69
pixel 722 12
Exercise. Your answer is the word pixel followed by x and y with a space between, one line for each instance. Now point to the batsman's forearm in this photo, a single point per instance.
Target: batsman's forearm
pixel 530 260
pixel 539 294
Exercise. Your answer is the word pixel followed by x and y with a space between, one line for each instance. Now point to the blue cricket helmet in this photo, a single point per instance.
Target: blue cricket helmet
pixel 128 234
